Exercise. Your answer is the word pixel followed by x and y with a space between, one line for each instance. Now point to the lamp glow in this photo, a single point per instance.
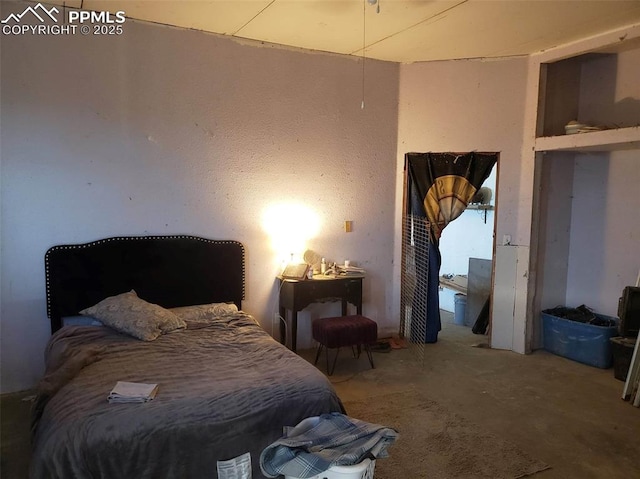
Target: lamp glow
pixel 290 226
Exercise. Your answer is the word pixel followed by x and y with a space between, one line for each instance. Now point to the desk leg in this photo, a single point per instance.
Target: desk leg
pixel 283 326
pixel 294 330
pixel 344 307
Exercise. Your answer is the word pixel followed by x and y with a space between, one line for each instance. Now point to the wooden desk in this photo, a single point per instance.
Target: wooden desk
pixel 296 295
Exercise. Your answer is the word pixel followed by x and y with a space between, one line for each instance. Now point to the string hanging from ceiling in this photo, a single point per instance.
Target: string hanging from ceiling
pixel 364 37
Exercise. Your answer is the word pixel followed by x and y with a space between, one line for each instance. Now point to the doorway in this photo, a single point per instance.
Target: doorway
pixel 466 249
pixel 438 189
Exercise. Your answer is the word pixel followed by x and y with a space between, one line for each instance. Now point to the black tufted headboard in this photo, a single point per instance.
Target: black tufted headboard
pixel 166 270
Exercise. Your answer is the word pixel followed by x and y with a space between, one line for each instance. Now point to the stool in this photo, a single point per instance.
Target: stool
pixel 344 331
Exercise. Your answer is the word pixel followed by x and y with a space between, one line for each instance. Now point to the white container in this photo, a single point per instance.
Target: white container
pixel 362 470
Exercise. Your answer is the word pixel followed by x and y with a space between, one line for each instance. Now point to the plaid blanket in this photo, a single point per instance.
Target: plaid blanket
pixel 316 444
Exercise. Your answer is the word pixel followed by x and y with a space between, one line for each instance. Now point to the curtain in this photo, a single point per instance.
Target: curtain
pixel 439 188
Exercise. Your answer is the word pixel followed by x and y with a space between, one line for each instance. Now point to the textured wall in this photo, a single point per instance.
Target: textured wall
pixel 605 230
pixel 168 131
pixel 465 106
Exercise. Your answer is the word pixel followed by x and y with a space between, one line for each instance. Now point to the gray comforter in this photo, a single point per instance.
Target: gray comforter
pixel 225 388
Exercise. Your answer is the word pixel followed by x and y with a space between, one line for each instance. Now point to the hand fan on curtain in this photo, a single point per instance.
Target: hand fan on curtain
pixel 446 182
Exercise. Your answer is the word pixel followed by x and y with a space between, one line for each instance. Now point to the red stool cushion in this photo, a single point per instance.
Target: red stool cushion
pixel 344 331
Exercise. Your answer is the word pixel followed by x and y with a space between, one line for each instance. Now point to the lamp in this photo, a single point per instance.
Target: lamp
pixel 290 226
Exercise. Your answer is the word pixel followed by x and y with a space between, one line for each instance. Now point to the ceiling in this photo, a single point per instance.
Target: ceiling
pixel 402 31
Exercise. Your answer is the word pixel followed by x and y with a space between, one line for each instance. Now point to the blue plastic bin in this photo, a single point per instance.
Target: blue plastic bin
pixel 585 343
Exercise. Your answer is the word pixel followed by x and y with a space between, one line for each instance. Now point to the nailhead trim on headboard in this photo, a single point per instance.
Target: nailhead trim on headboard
pixel 133 238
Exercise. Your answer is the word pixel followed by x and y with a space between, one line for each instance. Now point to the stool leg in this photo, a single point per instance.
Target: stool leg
pixel 318 353
pixel 326 354
pixel 330 372
pixel 367 348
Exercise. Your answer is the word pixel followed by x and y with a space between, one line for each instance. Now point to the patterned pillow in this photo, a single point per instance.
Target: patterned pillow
pixel 203 312
pixel 129 314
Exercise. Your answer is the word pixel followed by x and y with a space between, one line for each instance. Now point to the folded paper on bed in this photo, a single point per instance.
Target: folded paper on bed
pixel 126 392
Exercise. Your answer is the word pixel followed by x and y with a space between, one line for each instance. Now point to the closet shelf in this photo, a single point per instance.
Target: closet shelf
pixel 482 208
pixel 474 206
pixel 605 140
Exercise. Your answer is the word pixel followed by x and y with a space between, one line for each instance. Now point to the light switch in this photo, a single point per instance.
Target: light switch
pixel 348 226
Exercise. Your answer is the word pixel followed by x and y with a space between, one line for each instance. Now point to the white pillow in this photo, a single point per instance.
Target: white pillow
pixel 201 312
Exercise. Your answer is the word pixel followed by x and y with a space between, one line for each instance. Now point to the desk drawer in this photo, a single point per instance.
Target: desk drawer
pixel 337 288
pixel 298 295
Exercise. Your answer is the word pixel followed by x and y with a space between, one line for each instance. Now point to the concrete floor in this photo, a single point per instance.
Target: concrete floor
pixel 561 412
pixel 569 415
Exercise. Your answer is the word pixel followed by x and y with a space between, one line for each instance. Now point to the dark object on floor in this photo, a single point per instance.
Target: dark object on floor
pixel 481 324
pixel 581 314
pixel 381 347
pixel 344 331
pixel 622 349
pixel 629 311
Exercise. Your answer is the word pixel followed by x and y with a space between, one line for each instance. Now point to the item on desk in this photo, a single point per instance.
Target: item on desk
pixel 126 392
pixel 323 266
pixel 297 271
pixel 331 270
pixel 349 271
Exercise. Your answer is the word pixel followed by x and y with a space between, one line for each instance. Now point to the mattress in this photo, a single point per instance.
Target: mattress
pixel 226 388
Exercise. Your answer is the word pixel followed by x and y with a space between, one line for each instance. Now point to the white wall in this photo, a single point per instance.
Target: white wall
pixel 168 131
pixel 604 251
pixel 464 106
pixel 554 228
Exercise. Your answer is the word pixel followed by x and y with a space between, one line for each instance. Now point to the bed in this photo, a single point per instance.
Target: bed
pixel 226 388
